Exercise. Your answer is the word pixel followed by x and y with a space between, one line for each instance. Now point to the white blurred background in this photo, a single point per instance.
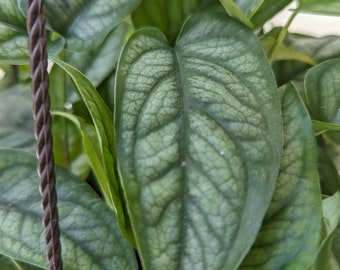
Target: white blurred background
pixel 309 24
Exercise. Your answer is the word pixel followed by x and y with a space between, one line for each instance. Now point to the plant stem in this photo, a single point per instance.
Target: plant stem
pixel 281 36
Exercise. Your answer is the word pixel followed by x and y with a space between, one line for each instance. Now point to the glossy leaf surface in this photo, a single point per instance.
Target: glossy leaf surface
pixel 322 86
pixel 90 234
pixel 290 232
pixel 198 137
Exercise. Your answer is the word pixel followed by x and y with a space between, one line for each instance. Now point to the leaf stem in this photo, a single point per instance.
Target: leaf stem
pixel 281 36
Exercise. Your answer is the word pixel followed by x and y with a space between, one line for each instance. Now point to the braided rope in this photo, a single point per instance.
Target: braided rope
pixel 41 106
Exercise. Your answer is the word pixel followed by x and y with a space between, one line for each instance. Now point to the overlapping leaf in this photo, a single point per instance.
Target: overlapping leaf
pixel 323 91
pixel 67 144
pixel 90 234
pixel 198 137
pixel 102 119
pixel 331 215
pixel 290 233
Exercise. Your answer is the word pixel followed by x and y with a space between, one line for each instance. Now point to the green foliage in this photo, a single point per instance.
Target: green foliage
pixel 194 138
pixel 290 231
pixel 88 227
pixel 171 111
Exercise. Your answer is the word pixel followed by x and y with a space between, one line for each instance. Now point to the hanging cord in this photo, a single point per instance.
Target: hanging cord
pixel 42 129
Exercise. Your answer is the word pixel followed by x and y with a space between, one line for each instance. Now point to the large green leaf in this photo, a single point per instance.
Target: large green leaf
pixel 322 86
pixel 90 234
pixel 325 7
pixel 290 232
pixel 16 120
pixel 102 119
pixel 198 137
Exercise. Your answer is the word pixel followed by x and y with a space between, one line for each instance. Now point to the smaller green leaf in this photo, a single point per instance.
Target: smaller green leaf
pixel 329 178
pixel 322 84
pixel 290 231
pixel 234 11
pixel 325 7
pixel 90 235
pixel 91 146
pixel 16 120
pixel 331 215
pixel 102 118
pixel 68 148
pixel 67 145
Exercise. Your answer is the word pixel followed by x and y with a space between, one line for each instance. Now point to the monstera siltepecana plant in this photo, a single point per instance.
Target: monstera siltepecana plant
pixel 185 137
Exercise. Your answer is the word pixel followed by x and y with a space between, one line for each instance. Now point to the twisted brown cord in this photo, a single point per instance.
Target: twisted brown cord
pixel 41 106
